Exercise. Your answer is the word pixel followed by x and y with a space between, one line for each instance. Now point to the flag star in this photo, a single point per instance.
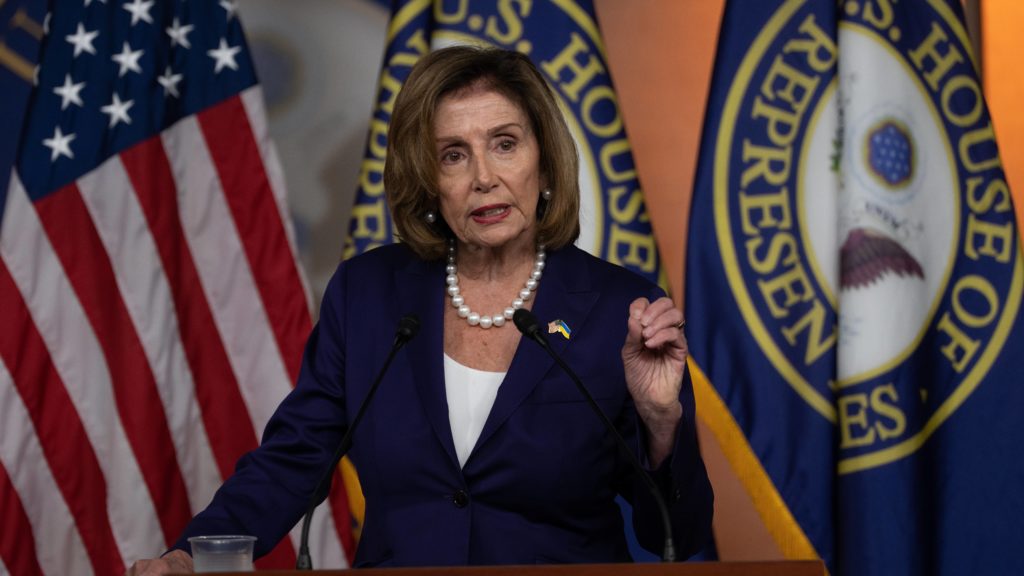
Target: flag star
pixel 70 93
pixel 170 82
pixel 87 2
pixel 140 10
pixel 118 110
pixel 225 56
pixel 82 40
pixel 59 145
pixel 128 60
pixel 230 6
pixel 179 33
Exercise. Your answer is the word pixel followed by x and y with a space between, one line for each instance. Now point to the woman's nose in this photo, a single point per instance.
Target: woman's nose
pixel 483 177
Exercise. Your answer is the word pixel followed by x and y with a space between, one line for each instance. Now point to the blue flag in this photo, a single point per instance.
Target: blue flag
pixel 563 40
pixel 854 278
pixel 20 38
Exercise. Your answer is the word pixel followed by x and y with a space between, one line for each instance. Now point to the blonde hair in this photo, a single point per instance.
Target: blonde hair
pixel 411 169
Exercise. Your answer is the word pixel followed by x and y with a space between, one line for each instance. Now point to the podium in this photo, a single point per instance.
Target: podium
pixel 780 568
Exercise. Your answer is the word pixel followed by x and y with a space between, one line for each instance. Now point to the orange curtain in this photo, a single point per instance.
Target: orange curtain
pixel 1002 47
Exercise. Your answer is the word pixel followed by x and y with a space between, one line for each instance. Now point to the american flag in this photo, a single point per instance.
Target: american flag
pixel 153 311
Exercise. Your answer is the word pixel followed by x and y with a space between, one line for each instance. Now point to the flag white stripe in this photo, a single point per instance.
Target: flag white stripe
pixel 79 361
pixel 59 547
pixel 225 275
pixel 124 231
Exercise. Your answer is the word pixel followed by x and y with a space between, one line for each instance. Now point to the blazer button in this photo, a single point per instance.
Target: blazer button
pixel 460 498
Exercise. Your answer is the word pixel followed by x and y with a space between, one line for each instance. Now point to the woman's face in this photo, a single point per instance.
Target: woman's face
pixel 489 177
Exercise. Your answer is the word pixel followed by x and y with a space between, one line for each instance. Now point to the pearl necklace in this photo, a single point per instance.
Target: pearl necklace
pixel 497 320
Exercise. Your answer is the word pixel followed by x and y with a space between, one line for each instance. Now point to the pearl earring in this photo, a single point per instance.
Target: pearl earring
pixel 430 217
pixel 546 194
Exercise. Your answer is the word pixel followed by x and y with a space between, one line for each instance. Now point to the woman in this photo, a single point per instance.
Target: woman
pixel 477 449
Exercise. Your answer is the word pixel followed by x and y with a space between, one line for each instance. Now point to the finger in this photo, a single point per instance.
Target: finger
pixel 657 310
pixel 634 330
pixel 638 308
pixel 139 568
pixel 661 315
pixel 669 339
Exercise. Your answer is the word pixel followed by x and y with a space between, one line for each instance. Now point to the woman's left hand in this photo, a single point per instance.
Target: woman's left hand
pixel 654 357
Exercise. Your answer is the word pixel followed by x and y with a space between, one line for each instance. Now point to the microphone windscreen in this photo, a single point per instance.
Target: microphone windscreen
pixel 526 322
pixel 408 326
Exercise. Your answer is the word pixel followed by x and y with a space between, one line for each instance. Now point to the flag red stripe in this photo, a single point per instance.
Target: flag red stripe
pixel 69 454
pixel 227 425
pixel 17 545
pixel 77 244
pixel 282 556
pixel 236 156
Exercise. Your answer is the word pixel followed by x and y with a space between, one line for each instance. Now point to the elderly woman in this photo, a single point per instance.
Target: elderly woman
pixel 478 449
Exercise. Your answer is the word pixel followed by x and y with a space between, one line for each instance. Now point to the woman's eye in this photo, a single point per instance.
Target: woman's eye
pixel 451 157
pixel 507 145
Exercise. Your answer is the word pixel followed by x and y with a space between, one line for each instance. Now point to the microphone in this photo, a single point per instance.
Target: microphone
pixel 527 323
pixel 408 326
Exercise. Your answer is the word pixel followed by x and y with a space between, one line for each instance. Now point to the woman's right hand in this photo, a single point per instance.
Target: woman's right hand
pixel 176 561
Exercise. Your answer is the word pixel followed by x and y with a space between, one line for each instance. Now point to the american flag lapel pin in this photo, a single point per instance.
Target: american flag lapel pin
pixel 560 327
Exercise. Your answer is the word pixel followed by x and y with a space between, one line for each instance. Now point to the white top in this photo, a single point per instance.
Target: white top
pixel 471 395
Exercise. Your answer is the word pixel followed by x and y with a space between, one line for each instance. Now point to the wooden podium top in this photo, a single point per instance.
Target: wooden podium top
pixel 780 568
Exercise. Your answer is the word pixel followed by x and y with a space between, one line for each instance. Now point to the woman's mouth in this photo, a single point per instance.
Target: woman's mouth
pixel 490 213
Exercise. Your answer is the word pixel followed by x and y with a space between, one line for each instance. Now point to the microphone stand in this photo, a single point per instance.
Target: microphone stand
pixel 526 322
pixel 407 328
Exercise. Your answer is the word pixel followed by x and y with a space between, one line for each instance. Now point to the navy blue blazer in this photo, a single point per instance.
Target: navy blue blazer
pixel 541 482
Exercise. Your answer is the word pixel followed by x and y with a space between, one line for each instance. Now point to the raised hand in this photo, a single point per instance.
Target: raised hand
pixel 654 357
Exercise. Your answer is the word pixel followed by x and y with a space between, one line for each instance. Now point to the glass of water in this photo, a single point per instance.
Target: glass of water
pixel 231 553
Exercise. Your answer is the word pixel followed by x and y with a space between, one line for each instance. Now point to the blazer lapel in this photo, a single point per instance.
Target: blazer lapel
pixel 421 291
pixel 564 294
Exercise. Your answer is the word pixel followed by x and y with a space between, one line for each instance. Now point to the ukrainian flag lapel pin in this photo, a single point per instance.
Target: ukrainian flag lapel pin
pixel 560 327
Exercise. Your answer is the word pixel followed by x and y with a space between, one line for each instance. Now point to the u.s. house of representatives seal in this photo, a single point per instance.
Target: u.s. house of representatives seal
pixel 865 223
